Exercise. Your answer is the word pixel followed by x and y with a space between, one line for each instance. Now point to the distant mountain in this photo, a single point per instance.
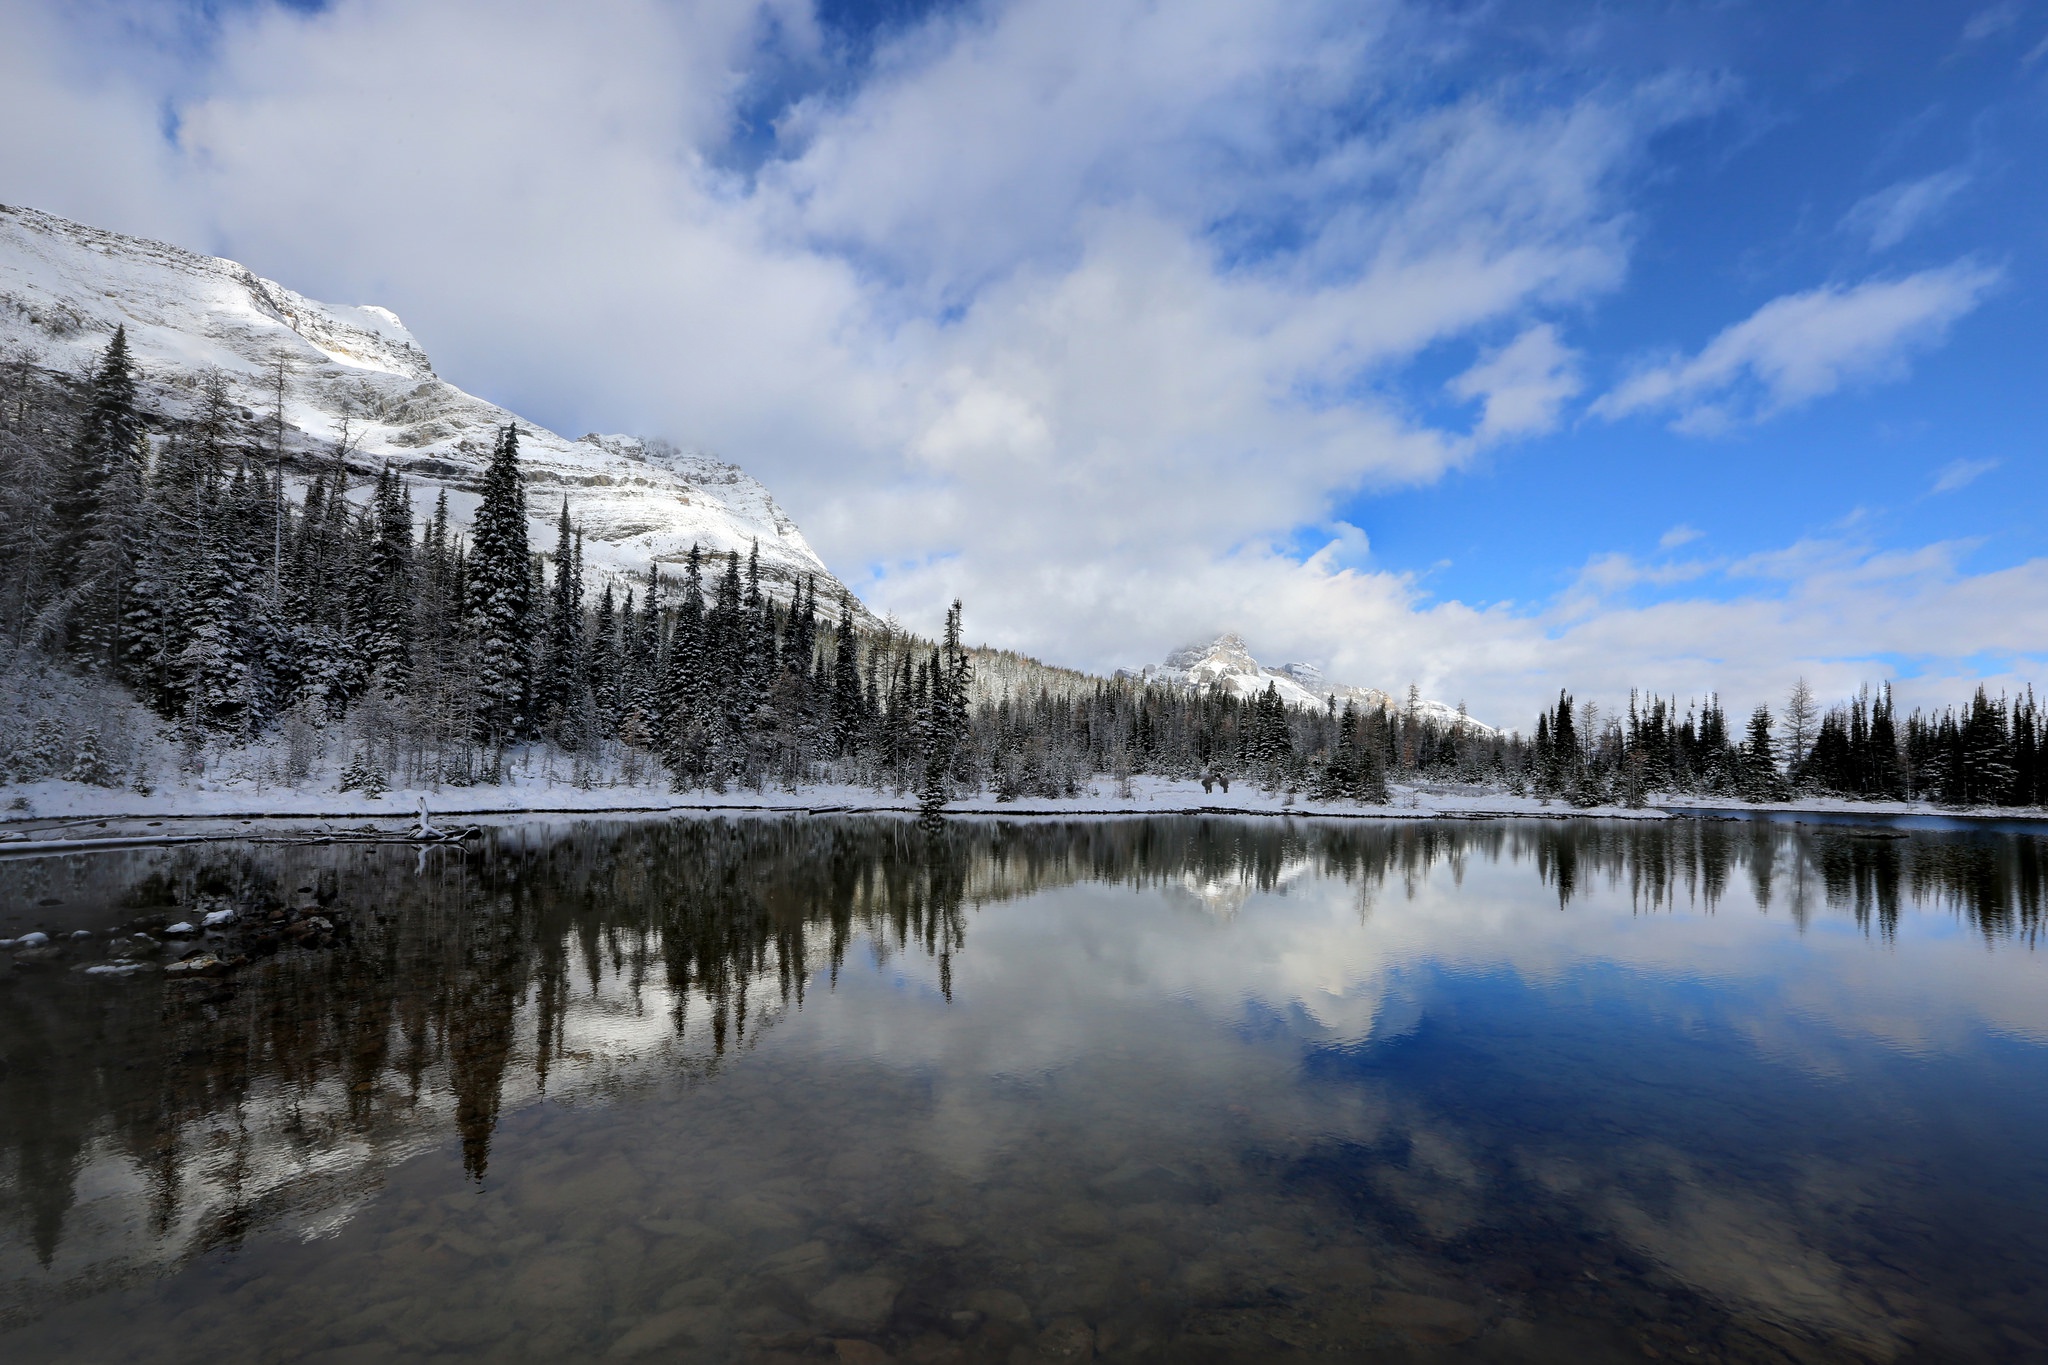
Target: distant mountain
pixel 1226 665
pixel 64 287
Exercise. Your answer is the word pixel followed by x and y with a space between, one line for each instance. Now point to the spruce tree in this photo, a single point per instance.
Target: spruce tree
pixel 389 643
pixel 1760 778
pixel 500 598
pixel 105 439
pixel 685 681
pixel 601 659
pixel 555 681
pixel 848 710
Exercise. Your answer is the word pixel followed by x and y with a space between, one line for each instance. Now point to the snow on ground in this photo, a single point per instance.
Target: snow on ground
pixel 40 802
pixel 41 816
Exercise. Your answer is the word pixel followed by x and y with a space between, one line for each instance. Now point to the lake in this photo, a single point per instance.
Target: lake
pixel 1164 1090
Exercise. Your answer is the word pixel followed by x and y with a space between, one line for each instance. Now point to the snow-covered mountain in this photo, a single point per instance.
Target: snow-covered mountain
pixel 64 287
pixel 1226 664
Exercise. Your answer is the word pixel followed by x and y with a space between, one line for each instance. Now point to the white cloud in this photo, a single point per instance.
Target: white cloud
pixel 1523 384
pixel 1079 310
pixel 1803 346
pixel 1617 572
pixel 1679 535
pixel 1991 21
pixel 1961 473
pixel 1887 217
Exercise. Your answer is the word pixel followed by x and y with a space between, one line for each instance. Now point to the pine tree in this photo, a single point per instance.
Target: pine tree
pixel 555 688
pixel 100 494
pixel 500 597
pixel 389 627
pixel 106 438
pixel 686 682
pixel 1760 777
pixel 848 708
pixel 601 660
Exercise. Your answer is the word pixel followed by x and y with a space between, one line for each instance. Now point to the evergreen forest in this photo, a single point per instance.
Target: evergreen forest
pixel 251 600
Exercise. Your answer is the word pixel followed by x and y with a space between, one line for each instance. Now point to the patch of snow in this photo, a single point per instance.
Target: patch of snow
pixel 65 286
pixel 1226 665
pixel 1148 796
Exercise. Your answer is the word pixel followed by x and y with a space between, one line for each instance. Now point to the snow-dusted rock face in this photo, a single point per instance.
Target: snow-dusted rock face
pixel 1226 664
pixel 64 287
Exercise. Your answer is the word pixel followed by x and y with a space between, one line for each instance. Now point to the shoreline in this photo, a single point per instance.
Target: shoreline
pixel 132 820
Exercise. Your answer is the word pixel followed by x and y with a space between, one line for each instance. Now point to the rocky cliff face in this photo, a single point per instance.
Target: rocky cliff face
pixel 356 377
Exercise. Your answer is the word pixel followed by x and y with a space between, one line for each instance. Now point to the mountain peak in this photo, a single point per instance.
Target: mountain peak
pixel 65 287
pixel 1226 664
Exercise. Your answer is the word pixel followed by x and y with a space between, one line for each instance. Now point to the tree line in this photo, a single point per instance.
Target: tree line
pixel 244 594
pixel 1991 752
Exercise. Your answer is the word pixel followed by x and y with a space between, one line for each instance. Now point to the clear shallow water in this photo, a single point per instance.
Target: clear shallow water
pixel 1148 1090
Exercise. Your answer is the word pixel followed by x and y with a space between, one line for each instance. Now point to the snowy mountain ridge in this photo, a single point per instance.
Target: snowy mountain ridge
pixel 358 374
pixel 1226 664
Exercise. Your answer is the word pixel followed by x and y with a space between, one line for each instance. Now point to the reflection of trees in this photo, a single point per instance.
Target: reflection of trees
pixel 453 978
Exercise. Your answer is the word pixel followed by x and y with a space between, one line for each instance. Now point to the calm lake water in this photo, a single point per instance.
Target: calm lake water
pixel 1171 1090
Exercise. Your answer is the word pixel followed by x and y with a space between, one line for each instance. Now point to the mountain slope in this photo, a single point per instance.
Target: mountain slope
pixel 64 287
pixel 1225 664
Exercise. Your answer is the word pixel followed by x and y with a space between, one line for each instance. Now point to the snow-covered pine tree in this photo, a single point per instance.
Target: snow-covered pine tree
pixel 641 684
pixel 166 557
pixel 555 688
pixel 105 440
pixel 957 714
pixel 849 711
pixel 500 598
pixel 726 629
pixel 684 681
pixel 1760 778
pixel 394 587
pixel 630 664
pixel 97 501
pixel 601 661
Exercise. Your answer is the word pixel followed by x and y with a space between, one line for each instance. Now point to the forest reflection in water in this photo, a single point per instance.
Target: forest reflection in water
pixel 1460 1193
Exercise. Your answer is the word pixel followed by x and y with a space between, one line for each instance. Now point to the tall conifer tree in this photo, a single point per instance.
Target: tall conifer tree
pixel 500 597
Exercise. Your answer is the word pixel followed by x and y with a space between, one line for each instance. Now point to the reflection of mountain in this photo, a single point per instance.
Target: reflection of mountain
pixel 586 960
pixel 1224 894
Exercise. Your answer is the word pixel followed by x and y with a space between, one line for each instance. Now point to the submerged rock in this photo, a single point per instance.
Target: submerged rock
pixel 1000 1305
pixel 857 1303
pixel 676 1327
pixel 1067 1339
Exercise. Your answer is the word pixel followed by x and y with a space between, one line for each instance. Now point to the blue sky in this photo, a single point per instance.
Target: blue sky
pixel 1495 347
pixel 1795 182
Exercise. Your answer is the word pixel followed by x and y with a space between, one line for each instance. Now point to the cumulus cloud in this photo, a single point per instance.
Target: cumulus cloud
pixel 1089 311
pixel 1522 385
pixel 1887 217
pixel 1803 346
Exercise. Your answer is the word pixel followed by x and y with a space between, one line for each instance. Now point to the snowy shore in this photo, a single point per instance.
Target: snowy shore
pixel 38 813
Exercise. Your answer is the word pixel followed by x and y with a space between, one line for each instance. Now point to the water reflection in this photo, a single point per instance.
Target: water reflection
pixel 1410 1131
